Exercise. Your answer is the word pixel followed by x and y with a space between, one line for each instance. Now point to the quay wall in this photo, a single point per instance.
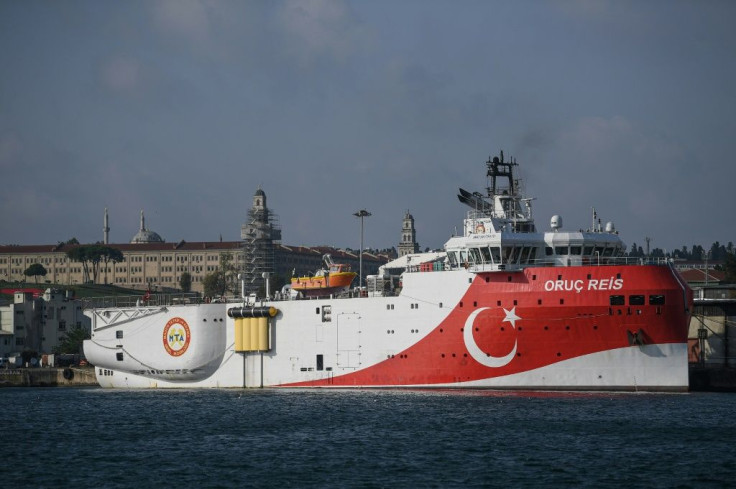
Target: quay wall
pixel 48 377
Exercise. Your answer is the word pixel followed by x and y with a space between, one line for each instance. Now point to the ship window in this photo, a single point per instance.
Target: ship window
pixel 509 254
pixel 636 300
pixel 496 254
pixel 119 356
pixel 526 254
pixel 588 250
pixel 317 311
pixel 320 362
pixel 453 258
pixel 486 254
pixel 656 300
pixel 608 252
pixel 560 250
pixel 575 250
pixel 119 334
pixel 549 251
pixel 463 257
pixel 617 300
pixel 475 256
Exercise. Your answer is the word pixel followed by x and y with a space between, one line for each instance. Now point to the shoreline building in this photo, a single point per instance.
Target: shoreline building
pixel 259 234
pixel 38 324
pixel 151 263
pixel 408 244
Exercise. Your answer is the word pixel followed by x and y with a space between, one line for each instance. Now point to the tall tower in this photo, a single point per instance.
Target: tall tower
pixel 106 229
pixel 408 243
pixel 259 233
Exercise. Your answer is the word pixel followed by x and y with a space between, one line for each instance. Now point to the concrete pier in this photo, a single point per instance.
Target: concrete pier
pixel 48 377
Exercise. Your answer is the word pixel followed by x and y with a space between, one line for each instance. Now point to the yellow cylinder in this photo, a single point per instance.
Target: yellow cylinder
pixel 272 311
pixel 263 334
pixel 239 334
pixel 253 334
pixel 246 334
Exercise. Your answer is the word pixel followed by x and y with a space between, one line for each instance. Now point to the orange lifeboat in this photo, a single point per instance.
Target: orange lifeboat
pixel 335 278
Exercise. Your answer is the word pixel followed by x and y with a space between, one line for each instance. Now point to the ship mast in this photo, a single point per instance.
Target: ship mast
pixel 497 167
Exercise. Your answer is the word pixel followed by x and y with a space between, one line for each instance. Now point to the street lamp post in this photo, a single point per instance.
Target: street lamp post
pixel 361 214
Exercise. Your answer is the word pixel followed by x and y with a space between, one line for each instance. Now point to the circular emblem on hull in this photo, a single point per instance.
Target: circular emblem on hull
pixel 176 337
pixel 479 355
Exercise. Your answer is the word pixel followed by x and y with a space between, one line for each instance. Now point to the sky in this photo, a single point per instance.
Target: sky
pixel 185 108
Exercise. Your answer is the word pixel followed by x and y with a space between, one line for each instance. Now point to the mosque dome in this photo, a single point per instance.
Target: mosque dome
pixel 146 235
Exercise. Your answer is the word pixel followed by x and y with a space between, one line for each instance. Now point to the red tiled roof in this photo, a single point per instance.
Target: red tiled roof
pixel 698 275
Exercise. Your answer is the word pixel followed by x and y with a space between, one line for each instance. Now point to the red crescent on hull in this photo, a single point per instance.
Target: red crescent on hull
pixel 556 326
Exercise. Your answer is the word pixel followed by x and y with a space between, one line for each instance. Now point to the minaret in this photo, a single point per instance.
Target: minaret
pixel 106 229
pixel 143 221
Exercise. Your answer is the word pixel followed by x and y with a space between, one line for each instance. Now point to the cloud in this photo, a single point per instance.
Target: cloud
pixel 185 18
pixel 11 148
pixel 317 28
pixel 121 74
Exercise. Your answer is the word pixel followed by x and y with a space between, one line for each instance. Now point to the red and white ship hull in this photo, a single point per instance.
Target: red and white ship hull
pixel 567 328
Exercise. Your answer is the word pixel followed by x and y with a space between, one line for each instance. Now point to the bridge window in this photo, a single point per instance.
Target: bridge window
pixel 475 256
pixel 588 250
pixel 486 252
pixel 636 300
pixel 510 254
pixel 617 300
pixel 549 251
pixel 576 250
pixel 496 254
pixel 452 256
pixel 560 250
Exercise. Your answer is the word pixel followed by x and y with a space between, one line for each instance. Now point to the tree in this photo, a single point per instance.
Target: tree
pixel 71 342
pixel 213 284
pixel 91 255
pixel 730 268
pixel 185 282
pixel 223 279
pixel 35 270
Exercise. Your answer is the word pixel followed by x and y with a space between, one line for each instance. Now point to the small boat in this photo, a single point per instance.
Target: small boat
pixel 333 279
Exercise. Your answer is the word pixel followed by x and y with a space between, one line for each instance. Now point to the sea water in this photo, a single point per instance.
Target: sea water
pixel 94 438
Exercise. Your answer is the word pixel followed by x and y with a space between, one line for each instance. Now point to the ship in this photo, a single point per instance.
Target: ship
pixel 335 278
pixel 501 306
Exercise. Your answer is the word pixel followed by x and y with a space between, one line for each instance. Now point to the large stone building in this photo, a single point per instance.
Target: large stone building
pixel 150 263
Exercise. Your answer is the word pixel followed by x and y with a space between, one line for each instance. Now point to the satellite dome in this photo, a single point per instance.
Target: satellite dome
pixel 610 228
pixel 556 222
